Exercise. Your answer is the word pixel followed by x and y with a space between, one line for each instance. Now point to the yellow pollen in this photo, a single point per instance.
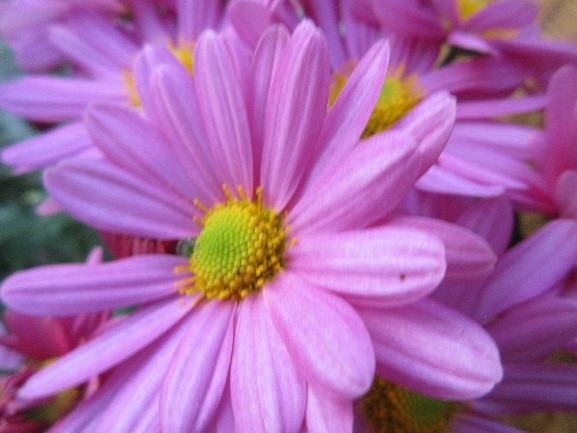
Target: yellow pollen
pixel 240 247
pixel 398 96
pixel 130 85
pixel 468 8
pixel 184 52
pixel 392 409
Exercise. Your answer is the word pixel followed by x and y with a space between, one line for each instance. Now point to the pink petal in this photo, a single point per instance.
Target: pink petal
pixel 430 123
pixel 79 288
pixel 116 129
pixel 140 395
pixel 433 350
pixel 348 117
pixel 394 16
pixel 48 148
pixel 470 423
pixel 499 107
pixel 560 118
pixel 176 105
pixel 535 330
pixel 398 265
pixel 106 350
pixel 326 414
pixel 295 111
pixel 220 95
pixel 53 99
pixel 196 376
pixel 504 14
pixel 529 269
pixel 442 180
pixel 324 335
pixel 268 395
pixel 362 188
pixel 114 200
pixel 533 387
pixel 267 60
pixel 468 256
pixel 566 193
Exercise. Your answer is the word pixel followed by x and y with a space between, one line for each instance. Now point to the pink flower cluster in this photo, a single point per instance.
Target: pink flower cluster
pixel 312 208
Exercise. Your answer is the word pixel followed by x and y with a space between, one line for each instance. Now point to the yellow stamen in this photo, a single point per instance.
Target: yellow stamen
pixel 130 85
pixel 398 96
pixel 468 8
pixel 241 246
pixel 184 52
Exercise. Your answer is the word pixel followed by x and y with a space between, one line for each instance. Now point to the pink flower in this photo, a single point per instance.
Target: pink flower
pixel 257 324
pixel 483 157
pixel 521 307
pixel 102 53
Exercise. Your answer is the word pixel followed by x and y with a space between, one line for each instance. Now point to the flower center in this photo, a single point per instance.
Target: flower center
pixel 398 96
pixel 240 247
pixel 393 409
pixel 468 8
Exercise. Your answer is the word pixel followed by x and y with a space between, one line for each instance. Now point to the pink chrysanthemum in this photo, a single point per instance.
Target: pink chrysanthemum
pixel 282 212
pixel 102 52
pixel 521 307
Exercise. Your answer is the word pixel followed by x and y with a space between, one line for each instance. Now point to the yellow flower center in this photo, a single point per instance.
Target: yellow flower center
pixel 392 409
pixel 468 8
pixel 398 96
pixel 240 247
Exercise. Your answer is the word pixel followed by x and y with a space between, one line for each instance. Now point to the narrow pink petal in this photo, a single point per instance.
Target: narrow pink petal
pixel 70 289
pixel 499 107
pixel 107 349
pixel 504 14
pixel 471 41
pixel 433 350
pixel 444 181
pixel 394 16
pixel 176 105
pixel 48 148
pixel 250 19
pixel 266 62
pixel 295 111
pixel 470 423
pixel 140 396
pixel 469 257
pixel 114 200
pixel 492 219
pixel 268 395
pixel 325 414
pixel 85 416
pixel 484 75
pixel 220 95
pixel 116 129
pixel 194 16
pixel 529 269
pixel 53 99
pixel 533 387
pixel 362 188
pixel 348 117
pixel 395 264
pixel 560 115
pixel 430 123
pixel 198 372
pixel 535 330
pixel 324 335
